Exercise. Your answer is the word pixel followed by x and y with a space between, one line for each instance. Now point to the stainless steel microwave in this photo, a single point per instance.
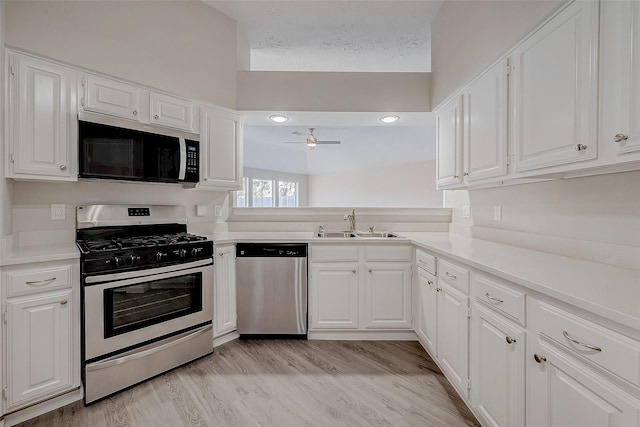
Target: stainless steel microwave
pixel 112 148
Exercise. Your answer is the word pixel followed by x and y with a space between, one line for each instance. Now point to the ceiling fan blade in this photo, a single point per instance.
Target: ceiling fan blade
pixel 329 142
pixel 300 133
pixel 294 142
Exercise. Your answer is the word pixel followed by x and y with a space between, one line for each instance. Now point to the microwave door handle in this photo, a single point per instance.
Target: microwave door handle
pixel 183 159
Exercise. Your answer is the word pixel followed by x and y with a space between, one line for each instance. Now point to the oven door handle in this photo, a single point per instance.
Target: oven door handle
pixel 173 268
pixel 118 360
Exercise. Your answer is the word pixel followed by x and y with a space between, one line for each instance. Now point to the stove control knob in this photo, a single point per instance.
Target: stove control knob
pixel 132 259
pixel 119 261
pixel 196 251
pixel 183 253
pixel 160 256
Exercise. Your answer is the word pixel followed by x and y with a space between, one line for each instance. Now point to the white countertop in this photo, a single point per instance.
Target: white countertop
pixel 29 254
pixel 609 291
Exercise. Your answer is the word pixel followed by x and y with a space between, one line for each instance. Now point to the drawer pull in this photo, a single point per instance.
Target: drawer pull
pixel 589 346
pixel 539 359
pixel 63 302
pixel 494 299
pixel 510 340
pixel 450 276
pixel 41 282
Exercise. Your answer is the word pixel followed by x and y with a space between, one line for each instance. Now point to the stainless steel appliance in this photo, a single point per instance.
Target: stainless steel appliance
pixel 146 294
pixel 272 289
pixel 112 148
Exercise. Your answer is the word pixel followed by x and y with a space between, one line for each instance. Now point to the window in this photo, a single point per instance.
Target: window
pixel 267 193
pixel 262 193
pixel 287 194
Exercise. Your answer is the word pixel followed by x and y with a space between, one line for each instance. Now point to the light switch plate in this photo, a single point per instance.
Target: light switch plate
pixel 497 213
pixel 218 210
pixel 58 211
pixel 466 211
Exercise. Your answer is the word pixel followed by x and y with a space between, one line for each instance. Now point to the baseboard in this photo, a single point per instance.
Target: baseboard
pixel 218 341
pixel 404 335
pixel 43 407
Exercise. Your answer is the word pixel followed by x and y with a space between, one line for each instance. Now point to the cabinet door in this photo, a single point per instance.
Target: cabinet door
pixel 220 149
pixel 39 343
pixel 453 336
pixel 334 296
pixel 554 91
pixel 225 291
pixel 42 120
pixel 427 311
pixel 564 392
pixel 387 295
pixel 111 97
pixel 449 144
pixel 497 369
pixel 171 111
pixel 485 136
pixel 620 87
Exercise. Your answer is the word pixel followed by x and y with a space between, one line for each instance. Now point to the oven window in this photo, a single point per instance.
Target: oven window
pixel 132 307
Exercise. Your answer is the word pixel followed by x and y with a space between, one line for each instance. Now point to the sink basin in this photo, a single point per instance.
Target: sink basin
pixel 375 234
pixel 335 234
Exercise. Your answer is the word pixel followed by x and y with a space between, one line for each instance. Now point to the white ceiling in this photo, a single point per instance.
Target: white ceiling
pixel 339 35
pixel 344 36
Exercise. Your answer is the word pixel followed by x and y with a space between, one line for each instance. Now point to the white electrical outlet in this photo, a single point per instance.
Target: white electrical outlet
pixel 497 213
pixel 466 211
pixel 58 211
pixel 218 210
pixel 201 210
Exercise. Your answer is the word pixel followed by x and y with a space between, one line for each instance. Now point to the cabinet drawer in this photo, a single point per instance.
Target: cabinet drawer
pixel 453 274
pixel 385 252
pixel 499 297
pixel 426 261
pixel 20 282
pixel 597 344
pixel 334 253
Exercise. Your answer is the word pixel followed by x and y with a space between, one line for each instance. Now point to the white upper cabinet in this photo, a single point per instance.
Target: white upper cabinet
pixel 42 125
pixel 554 88
pixel 111 97
pixel 449 144
pixel 620 82
pixel 485 125
pixel 170 111
pixel 220 149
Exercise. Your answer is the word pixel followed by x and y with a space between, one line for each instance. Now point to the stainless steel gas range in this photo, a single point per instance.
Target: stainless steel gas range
pixel 146 294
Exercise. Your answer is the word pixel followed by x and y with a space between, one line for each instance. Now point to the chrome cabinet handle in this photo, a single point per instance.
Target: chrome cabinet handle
pixel 496 300
pixel 589 346
pixel 510 340
pixel 466 174
pixel 41 282
pixel 456 176
pixel 155 116
pixel 451 276
pixel 63 167
pixel 438 289
pixel 581 147
pixel 63 302
pixel 619 137
pixel 353 271
pixel 135 112
pixel 370 270
pixel 539 358
pixel 220 253
pixel 429 282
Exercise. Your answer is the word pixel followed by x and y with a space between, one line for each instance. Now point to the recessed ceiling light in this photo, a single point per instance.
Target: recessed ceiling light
pixel 279 118
pixel 389 119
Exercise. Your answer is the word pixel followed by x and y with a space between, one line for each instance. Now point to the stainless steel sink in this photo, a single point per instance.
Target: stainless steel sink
pixel 336 235
pixel 375 234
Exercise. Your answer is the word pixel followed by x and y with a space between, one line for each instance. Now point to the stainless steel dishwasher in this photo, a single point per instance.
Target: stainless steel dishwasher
pixel 272 289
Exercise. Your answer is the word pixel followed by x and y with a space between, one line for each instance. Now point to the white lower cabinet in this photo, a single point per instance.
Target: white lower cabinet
pixel 453 336
pixel 41 332
pixel 497 368
pixel 224 291
pixel 387 295
pixel 363 287
pixel 334 296
pixel 427 310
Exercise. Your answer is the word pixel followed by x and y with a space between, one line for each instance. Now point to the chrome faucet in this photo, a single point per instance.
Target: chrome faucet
pixel 352 220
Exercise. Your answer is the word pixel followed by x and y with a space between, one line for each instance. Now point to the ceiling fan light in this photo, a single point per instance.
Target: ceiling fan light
pixel 389 119
pixel 312 141
pixel 278 118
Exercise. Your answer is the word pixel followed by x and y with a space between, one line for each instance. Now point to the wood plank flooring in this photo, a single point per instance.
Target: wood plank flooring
pixel 285 383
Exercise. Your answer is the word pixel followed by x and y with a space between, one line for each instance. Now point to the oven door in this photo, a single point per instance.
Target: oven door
pixel 135 307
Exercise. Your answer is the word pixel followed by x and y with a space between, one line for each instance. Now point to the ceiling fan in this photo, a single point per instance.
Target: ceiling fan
pixel 311 141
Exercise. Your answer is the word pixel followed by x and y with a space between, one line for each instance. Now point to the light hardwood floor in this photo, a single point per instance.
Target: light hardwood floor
pixel 285 383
